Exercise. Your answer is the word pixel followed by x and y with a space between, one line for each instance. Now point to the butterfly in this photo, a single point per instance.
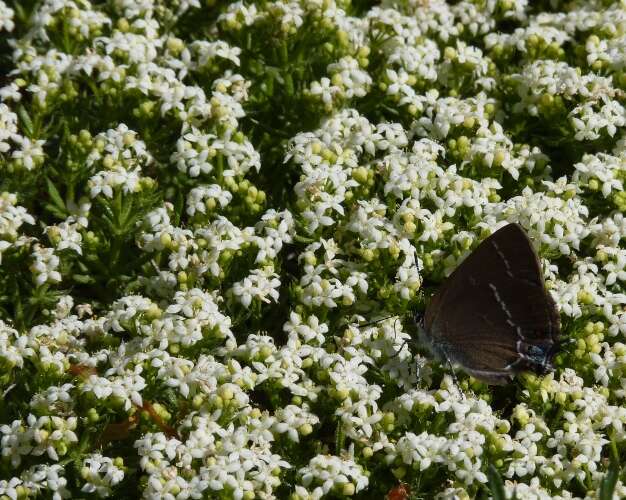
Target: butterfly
pixel 493 315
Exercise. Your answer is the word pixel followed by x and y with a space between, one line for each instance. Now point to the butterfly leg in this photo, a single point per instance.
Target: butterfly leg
pixel 454 377
pixel 397 353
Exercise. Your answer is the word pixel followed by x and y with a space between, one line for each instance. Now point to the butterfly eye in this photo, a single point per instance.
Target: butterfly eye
pixel 533 351
pixel 537 354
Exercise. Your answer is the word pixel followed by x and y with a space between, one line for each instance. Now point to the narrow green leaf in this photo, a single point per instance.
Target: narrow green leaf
pixel 609 482
pixel 179 204
pixel 20 13
pixel 26 121
pixel 54 210
pixel 83 279
pixel 55 196
pixel 340 438
pixel 496 485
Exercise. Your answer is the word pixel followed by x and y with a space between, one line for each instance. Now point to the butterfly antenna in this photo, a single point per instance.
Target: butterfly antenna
pixel 564 345
pixel 565 342
pixel 380 320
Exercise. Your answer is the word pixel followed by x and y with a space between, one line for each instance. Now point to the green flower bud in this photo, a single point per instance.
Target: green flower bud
pixel 226 393
pixel 305 429
pixel 399 472
pixel 359 174
pixel 388 418
pixel 197 401
pixel 341 393
pixel 348 489
pixel 469 122
pixel 367 254
pixel 61 449
pixel 584 297
pixel 92 415
pixel 449 53
pixel 498 157
pixel 463 144
pixel 521 415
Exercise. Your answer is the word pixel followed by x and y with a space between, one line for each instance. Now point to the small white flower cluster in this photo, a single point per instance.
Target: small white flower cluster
pixel 236 460
pixel 83 21
pixel 558 224
pixel 419 60
pixel 12 217
pixel 213 233
pixel 196 154
pixel 122 155
pixel 325 474
pixel 6 17
pixel 260 284
pixel 526 40
pixel 57 397
pixel 25 153
pixel 37 479
pixel 601 52
pixel 45 266
pixel 590 100
pixel 466 59
pixel 459 444
pixel 36 436
pixel 603 172
pixel 66 235
pixel 101 474
pixel 206 198
pixel 320 285
pixel 439 115
pixel 346 81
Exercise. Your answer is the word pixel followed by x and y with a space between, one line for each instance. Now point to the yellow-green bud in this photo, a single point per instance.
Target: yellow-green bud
pixel 359 174
pixel 226 393
pixel 399 472
pixel 449 53
pixel 305 429
pixel 348 489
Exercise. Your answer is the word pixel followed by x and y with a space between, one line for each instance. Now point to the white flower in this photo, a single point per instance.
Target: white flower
pixel 260 284
pixel 6 17
pixel 100 475
pixel 202 198
pixel 45 266
pixel 327 472
pixel 291 418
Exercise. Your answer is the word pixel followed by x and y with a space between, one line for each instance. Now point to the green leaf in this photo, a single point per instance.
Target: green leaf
pixel 83 279
pixel 496 485
pixel 54 210
pixel 179 208
pixel 607 487
pixel 340 438
pixel 27 123
pixel 55 196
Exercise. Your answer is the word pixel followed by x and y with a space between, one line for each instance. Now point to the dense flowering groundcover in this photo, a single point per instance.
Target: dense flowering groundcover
pixel 204 205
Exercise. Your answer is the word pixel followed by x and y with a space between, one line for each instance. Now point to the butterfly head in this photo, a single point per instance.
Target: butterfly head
pixel 537 357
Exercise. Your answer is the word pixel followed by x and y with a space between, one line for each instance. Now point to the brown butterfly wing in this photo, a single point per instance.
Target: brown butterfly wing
pixel 493 301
